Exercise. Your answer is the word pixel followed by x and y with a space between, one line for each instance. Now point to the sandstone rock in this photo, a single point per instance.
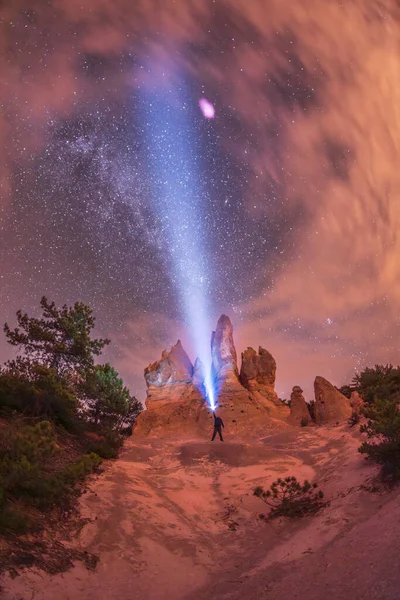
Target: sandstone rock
pixel 174 366
pixel 223 352
pixel 330 405
pixel 257 374
pixel 298 407
pixel 174 409
pixel 199 373
pixel 255 407
pixel 258 369
pixel 175 394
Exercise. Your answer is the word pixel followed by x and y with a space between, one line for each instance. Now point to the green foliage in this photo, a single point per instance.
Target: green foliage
pixel 383 433
pixel 381 381
pixel 288 498
pixel 109 402
pixel 88 463
pixel 304 422
pixel 37 391
pixel 27 473
pixel 106 446
pixel 12 521
pixel 56 378
pixel 60 339
pixel 346 390
pixel 25 452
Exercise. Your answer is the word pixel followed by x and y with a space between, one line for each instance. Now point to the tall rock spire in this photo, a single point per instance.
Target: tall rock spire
pixel 223 352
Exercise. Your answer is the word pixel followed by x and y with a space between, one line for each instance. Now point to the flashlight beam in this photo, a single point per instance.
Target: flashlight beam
pixel 178 201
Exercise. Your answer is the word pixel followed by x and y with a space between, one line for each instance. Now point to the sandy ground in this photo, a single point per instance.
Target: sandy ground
pixel 178 520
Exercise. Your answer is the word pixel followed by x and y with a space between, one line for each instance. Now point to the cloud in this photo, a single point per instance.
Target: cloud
pixel 311 91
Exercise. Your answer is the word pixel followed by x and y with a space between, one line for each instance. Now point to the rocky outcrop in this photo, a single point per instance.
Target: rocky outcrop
pixel 199 373
pixel 298 407
pixel 223 352
pixel 258 369
pixel 174 367
pixel 175 395
pixel 178 409
pixel 175 392
pixel 330 405
pixel 257 374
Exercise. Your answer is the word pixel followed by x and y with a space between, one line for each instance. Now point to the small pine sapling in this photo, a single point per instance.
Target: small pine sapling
pixel 289 498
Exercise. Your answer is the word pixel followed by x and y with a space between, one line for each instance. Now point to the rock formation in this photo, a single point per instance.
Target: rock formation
pixel 298 407
pixel 175 393
pixel 198 373
pixel 257 374
pixel 330 405
pixel 258 369
pixel 223 352
pixel 174 367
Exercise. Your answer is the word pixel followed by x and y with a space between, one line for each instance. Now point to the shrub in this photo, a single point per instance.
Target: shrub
pixel 304 422
pixel 380 381
pixel 383 431
pixel 12 521
pixel 106 446
pixel 288 498
pixel 25 453
pixel 87 464
pixel 37 391
pixel 26 470
pixel 109 404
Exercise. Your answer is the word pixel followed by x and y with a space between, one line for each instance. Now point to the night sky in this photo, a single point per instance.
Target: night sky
pixel 297 200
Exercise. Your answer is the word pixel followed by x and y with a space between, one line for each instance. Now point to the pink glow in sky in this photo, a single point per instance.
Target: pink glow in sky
pixel 206 108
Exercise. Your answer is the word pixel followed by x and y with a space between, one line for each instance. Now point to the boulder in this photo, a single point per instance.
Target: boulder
pixel 330 405
pixel 298 407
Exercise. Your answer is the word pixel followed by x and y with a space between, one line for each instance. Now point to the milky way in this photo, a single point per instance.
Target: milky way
pixel 298 173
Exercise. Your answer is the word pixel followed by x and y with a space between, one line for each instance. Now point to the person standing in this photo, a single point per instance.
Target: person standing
pixel 218 424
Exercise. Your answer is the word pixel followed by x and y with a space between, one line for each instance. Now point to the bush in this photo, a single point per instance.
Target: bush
pixel 380 381
pixel 304 422
pixel 288 498
pixel 12 521
pixel 109 404
pixel 37 391
pixel 383 431
pixel 87 464
pixel 26 451
pixel 27 474
pixel 106 446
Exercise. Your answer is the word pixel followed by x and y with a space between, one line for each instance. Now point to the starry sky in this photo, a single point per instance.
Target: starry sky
pixel 298 179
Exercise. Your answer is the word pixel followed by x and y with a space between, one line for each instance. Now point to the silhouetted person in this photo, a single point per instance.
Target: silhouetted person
pixel 218 423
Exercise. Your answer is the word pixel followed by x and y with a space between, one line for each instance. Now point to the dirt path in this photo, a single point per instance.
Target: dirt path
pixel 175 520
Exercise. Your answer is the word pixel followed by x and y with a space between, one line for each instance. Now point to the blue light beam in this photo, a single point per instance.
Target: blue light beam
pixel 178 198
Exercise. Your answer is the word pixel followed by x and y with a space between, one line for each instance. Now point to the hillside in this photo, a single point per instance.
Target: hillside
pixel 177 519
